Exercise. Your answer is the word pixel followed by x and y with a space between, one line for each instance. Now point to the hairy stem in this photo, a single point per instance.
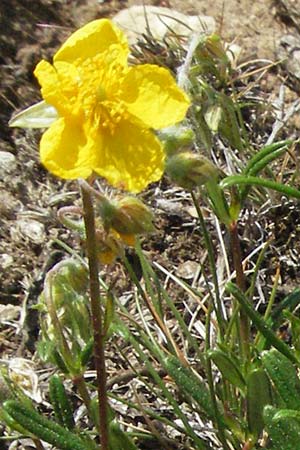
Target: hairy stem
pixel 97 314
pixel 83 391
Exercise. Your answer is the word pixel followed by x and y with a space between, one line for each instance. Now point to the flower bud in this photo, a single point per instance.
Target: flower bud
pixel 176 137
pixel 189 170
pixel 121 220
pixel 132 217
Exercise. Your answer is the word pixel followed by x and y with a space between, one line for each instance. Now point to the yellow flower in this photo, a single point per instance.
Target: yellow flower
pixel 106 109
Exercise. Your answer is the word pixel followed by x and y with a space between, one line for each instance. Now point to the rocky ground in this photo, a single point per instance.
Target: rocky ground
pixel 29 196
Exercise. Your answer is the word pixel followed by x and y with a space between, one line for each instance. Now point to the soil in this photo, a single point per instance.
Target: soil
pixel 30 197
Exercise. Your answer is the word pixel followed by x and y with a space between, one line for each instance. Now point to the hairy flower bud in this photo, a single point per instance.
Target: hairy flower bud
pixel 175 138
pixel 132 217
pixel 127 216
pixel 189 170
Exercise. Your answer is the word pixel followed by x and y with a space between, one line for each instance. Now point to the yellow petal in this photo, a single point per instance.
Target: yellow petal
pixel 131 157
pixel 92 39
pixel 107 257
pixel 128 239
pixel 64 151
pixel 59 85
pixel 48 80
pixel 151 94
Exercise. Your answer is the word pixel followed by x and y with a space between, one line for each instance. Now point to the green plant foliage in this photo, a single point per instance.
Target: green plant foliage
pixel 283 427
pixel 190 385
pixel 228 367
pixel 258 396
pixel 41 427
pixel 118 440
pixel 284 378
pixel 61 403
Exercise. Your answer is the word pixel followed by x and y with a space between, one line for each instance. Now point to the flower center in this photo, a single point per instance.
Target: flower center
pixel 111 114
pixel 101 94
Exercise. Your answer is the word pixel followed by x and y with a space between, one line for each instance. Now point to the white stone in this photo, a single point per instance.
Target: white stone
pixel 187 270
pixel 6 261
pixel 32 229
pixel 134 22
pixel 8 163
pixel 9 312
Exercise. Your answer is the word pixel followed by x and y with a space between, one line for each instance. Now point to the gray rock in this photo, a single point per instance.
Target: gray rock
pixel 134 21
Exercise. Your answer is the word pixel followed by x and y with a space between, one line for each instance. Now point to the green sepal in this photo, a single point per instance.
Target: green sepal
pixel 258 396
pixel 61 403
pixel 118 439
pixel 39 115
pixel 228 368
pixel 43 428
pixel 284 378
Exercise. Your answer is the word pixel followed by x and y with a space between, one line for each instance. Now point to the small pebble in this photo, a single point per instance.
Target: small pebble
pixel 187 270
pixel 8 163
pixel 33 230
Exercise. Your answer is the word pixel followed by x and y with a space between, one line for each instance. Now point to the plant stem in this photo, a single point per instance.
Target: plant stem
pixel 241 283
pixel 210 251
pixel 83 391
pixel 210 380
pixel 97 315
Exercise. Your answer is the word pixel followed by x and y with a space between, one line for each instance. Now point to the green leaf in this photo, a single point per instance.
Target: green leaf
pixel 290 302
pixel 283 427
pixel 202 130
pixel 228 368
pixel 118 439
pixel 236 180
pixel 43 428
pixel 295 326
pixel 258 396
pixel 190 384
pixel 87 352
pixel 109 313
pixel 60 402
pixel 264 156
pixel 213 115
pixel 229 126
pixel 284 378
pixel 260 323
